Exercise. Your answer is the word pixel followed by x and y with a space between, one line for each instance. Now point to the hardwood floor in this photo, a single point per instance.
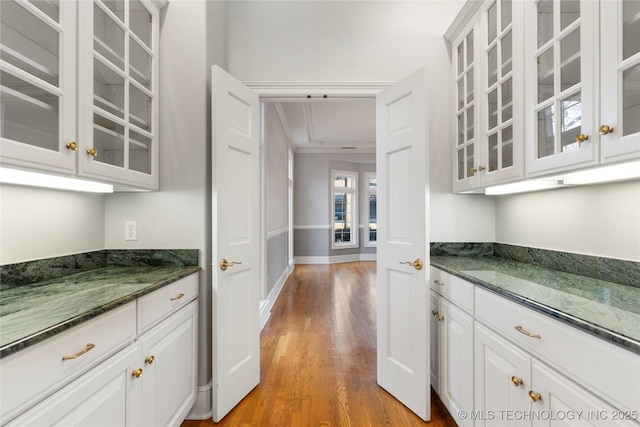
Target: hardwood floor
pixel 318 357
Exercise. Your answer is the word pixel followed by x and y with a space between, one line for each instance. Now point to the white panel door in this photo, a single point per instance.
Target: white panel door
pixel 403 199
pixel 236 224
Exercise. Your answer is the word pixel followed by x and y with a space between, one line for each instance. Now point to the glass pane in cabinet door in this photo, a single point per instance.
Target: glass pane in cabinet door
pixel 470 85
pixel 545 75
pixel 631 100
pixel 460 93
pixel 139 64
pixel 470 48
pixel 108 38
pixel 116 7
pixel 493 152
pixel 140 21
pixel 461 128
pixel 470 123
pixel 505 14
pixel 507 53
pixel 51 8
pixel 569 12
pixel 139 108
pixel 139 152
pixel 507 147
pixel 545 21
pixel 470 160
pixel 29 43
pixel 570 60
pixel 29 114
pixel 493 108
pixel 108 140
pixel 492 65
pixel 460 59
pixel 461 163
pixel 108 89
pixel 492 23
pixel 571 125
pixel 546 132
pixel 507 100
pixel 630 28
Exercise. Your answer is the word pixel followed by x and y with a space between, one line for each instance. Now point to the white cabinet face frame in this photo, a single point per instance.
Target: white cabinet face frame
pixel 38 89
pixel 562 57
pixel 620 80
pixel 344 209
pixel 118 91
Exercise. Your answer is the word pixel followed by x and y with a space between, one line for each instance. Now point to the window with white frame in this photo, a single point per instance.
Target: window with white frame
pixel 344 202
pixel 371 231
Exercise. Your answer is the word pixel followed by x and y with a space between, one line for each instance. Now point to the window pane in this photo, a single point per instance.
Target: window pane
pixel 546 132
pixel 545 75
pixel 343 216
pixel 506 14
pixel 570 60
pixel 630 28
pixel 492 66
pixel 507 53
pixel 493 152
pixel 571 122
pixel 507 147
pixel 569 12
pixel 470 160
pixel 373 227
pixel 373 183
pixel 470 123
pixel 545 21
pixel 108 139
pixel 470 49
pixel 631 100
pixel 493 108
pixel 343 181
pixel 492 27
pixel 507 100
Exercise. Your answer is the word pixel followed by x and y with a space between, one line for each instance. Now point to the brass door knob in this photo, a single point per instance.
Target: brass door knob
pixel 580 138
pixel 417 264
pixel 224 264
pixel 149 360
pixel 137 373
pixel 92 152
pixel 534 396
pixel 516 381
pixel 72 145
pixel 605 129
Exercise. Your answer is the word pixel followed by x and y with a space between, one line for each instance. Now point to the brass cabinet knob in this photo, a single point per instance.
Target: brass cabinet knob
pixel 534 396
pixel 137 373
pixel 481 168
pixel 516 381
pixel 440 318
pixel 72 145
pixel 474 170
pixel 605 129
pixel 149 360
pixel 92 152
pixel 417 264
pixel 434 312
pixel 580 138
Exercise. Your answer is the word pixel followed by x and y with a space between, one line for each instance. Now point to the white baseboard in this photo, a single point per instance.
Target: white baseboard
pixel 334 259
pixel 202 408
pixel 267 305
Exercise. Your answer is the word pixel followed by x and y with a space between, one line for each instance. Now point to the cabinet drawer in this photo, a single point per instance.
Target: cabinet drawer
pixel 159 304
pixel 35 372
pixel 455 289
pixel 607 370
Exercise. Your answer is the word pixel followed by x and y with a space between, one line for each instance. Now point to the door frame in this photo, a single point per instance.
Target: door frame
pixel 271 91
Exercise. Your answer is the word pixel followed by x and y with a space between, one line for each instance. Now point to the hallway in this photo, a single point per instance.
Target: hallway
pixel 318 357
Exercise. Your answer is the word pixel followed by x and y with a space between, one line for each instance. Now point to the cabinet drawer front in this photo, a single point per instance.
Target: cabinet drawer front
pixel 456 290
pixel 596 364
pixel 35 372
pixel 159 304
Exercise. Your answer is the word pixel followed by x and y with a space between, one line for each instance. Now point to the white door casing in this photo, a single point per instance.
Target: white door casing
pixel 235 118
pixel 403 199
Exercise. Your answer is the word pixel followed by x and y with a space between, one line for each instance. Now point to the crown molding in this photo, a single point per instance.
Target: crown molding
pixel 296 90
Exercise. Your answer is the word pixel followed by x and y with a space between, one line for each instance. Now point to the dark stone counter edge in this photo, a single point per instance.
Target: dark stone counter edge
pixel 70 323
pixel 620 340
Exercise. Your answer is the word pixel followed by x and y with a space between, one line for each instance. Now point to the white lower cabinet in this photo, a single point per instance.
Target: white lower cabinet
pixel 502 364
pixel 151 380
pixel 108 395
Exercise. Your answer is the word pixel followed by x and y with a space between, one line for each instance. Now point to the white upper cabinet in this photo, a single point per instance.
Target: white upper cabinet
pixel 101 123
pixel 620 80
pixel 489 101
pixel 38 84
pixel 561 51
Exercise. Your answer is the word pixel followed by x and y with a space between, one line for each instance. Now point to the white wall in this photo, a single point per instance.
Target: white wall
pixel 276 171
pixel 601 220
pixel 38 223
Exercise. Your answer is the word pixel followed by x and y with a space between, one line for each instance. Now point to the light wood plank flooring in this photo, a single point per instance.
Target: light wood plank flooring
pixel 318 357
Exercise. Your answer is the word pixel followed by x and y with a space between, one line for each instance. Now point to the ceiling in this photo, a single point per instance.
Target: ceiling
pixel 329 126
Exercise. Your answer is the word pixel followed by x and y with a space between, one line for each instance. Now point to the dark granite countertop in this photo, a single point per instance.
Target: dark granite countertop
pixel 603 308
pixel 30 313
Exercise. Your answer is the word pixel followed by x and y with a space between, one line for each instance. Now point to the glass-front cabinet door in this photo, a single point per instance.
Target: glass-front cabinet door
pixel 465 73
pixel 561 57
pixel 620 80
pixel 118 123
pixel 38 84
pixel 502 88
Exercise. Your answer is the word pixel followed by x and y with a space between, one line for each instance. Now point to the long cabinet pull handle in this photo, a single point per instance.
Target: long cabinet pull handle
pixel 87 349
pixel 525 332
pixel 180 295
pixel 438 282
